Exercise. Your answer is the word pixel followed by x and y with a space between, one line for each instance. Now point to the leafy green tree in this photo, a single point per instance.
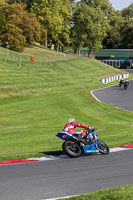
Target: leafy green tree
pixel 78 34
pixel 3 3
pixel 114 36
pixel 128 12
pixel 43 36
pixel 55 16
pixel 89 26
pixel 104 5
pixel 127 32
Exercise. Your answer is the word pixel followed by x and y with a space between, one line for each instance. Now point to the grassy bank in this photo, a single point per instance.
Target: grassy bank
pixel 116 193
pixel 36 100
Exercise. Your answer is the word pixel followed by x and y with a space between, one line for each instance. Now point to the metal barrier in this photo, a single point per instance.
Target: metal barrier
pixel 113 78
pixel 119 63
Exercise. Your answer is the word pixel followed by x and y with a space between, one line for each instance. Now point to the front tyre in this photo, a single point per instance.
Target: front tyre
pixel 71 148
pixel 102 147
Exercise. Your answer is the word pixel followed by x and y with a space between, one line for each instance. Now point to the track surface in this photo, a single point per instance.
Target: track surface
pixel 64 177
pixel 116 96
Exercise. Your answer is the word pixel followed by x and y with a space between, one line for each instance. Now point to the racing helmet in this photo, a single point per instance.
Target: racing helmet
pixel 71 120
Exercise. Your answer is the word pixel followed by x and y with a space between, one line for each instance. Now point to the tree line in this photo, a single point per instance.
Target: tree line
pixel 86 23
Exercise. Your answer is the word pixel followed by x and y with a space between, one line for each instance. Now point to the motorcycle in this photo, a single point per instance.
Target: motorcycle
pixel 121 82
pixel 126 83
pixel 74 146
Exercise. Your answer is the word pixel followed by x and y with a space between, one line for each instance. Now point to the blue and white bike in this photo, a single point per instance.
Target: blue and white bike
pixel 74 146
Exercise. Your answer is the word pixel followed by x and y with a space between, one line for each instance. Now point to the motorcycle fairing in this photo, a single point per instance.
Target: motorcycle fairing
pixel 93 148
pixel 64 135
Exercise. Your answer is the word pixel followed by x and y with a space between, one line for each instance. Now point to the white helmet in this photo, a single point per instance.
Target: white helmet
pixel 71 120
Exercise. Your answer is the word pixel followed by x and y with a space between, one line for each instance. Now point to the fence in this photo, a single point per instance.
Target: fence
pixel 20 58
pixel 106 52
pixel 119 63
pixel 109 53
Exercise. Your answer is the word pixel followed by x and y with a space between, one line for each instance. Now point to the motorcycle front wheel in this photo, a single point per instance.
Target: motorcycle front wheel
pixel 102 147
pixel 71 148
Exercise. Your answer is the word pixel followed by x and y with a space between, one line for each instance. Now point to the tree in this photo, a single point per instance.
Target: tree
pixel 127 32
pixel 114 36
pixel 104 5
pixel 3 3
pixel 2 21
pixel 78 34
pixel 25 24
pixel 28 3
pixel 13 35
pixel 89 26
pixel 128 12
pixel 54 15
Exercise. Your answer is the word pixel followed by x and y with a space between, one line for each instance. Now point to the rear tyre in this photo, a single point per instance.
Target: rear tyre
pixel 71 148
pixel 103 148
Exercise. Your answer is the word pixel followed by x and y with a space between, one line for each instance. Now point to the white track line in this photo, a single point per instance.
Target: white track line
pixel 100 89
pixel 65 197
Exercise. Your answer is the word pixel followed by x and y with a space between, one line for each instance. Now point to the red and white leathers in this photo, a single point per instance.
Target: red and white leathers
pixel 70 128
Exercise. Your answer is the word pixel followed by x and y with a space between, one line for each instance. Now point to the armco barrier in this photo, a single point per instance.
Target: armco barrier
pixel 113 78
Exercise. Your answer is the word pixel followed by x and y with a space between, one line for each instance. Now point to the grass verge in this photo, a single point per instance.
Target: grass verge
pixel 36 100
pixel 115 193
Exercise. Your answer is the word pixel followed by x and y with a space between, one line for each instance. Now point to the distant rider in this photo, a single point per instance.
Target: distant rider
pixel 126 83
pixel 121 82
pixel 72 124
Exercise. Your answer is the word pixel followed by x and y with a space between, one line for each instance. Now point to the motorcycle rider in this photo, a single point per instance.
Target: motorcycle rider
pixel 72 124
pixel 126 83
pixel 121 82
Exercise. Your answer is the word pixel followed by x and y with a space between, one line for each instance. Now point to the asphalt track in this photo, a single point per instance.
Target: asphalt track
pixel 66 177
pixel 116 96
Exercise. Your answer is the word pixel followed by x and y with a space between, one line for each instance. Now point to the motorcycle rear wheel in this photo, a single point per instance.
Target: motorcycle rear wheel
pixel 125 87
pixel 103 148
pixel 71 148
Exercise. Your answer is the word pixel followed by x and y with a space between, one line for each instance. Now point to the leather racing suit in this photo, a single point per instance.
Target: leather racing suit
pixel 70 128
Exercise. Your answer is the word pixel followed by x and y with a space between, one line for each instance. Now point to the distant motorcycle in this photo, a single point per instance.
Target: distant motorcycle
pixel 121 82
pixel 126 84
pixel 74 145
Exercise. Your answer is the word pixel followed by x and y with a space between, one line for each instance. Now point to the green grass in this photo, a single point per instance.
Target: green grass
pixel 36 100
pixel 116 193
